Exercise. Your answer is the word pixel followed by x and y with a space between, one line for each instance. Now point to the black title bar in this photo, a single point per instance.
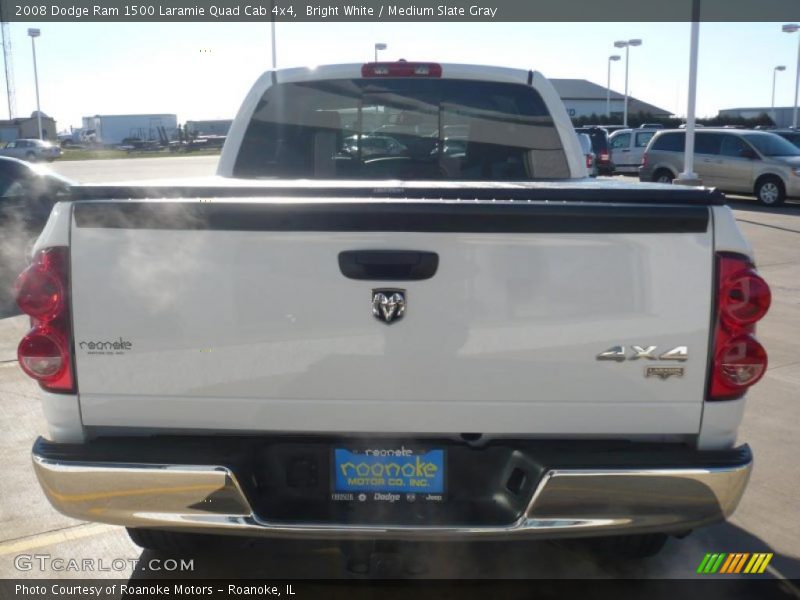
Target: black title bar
pixel 400 11
pixel 734 588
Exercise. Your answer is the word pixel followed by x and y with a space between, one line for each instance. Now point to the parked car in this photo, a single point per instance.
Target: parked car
pixel 374 145
pixel 529 354
pixel 588 153
pixel 599 137
pixel 652 126
pixel 792 135
pixel 609 128
pixel 31 150
pixel 28 193
pixel 627 147
pixel 452 146
pixel 733 160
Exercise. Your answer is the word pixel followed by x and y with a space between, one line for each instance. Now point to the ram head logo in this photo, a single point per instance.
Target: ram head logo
pixel 388 305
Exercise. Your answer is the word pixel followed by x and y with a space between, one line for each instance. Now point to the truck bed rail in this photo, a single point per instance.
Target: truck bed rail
pixel 539 191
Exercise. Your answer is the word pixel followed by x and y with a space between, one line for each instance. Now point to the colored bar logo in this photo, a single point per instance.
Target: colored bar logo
pixel 733 563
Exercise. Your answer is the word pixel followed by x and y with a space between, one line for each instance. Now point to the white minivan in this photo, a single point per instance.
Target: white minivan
pixel 627 148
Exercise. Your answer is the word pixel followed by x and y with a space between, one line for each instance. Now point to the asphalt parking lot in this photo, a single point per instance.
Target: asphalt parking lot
pixel 135 169
pixel 766 521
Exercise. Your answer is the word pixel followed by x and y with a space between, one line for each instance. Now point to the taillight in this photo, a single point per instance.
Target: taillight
pixel 401 69
pixel 743 298
pixel 644 159
pixel 45 353
pixel 741 361
pixel 39 290
pixel 604 156
pixel 588 161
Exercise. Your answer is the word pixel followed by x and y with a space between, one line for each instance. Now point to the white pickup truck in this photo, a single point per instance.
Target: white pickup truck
pixel 401 310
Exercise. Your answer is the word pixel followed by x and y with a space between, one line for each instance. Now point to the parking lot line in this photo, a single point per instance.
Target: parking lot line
pixel 51 538
pixel 766 225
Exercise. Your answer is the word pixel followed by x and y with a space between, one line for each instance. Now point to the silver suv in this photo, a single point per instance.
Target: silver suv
pixel 741 161
pixel 627 147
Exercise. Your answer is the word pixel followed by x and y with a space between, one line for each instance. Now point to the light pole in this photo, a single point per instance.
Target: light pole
pixel 792 28
pixel 612 58
pixel 272 37
pixel 688 176
pixel 34 33
pixel 379 46
pixel 274 49
pixel 627 45
pixel 775 72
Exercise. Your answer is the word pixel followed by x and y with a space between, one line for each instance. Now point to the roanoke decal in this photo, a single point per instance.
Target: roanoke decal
pixel 398 473
pixel 119 346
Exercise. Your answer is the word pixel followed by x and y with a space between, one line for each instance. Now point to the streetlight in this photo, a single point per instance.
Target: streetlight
pixel 627 45
pixel 688 176
pixel 792 28
pixel 274 44
pixel 379 46
pixel 775 72
pixel 613 57
pixel 34 33
pixel 272 37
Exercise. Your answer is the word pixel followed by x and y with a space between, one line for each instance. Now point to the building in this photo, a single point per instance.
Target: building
pixel 110 130
pixel 781 118
pixel 213 127
pixel 27 128
pixel 582 98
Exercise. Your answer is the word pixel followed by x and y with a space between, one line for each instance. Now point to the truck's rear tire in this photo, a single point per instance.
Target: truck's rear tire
pixel 171 542
pixel 631 546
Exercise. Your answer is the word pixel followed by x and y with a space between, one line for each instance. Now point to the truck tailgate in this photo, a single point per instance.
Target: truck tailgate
pixel 237 316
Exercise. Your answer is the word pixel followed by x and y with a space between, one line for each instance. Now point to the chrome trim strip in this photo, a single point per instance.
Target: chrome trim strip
pixel 567 502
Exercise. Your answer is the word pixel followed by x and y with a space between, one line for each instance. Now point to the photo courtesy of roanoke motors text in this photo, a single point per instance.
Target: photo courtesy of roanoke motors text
pixel 365 299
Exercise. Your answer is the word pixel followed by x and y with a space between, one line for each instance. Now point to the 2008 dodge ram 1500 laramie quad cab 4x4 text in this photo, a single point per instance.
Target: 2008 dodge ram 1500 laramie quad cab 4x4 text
pixel 400 310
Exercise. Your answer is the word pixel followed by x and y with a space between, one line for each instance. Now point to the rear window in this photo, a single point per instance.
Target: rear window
pixel 408 128
pixel 670 142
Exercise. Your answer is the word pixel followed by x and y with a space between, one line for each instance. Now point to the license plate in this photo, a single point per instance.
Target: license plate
pixel 375 471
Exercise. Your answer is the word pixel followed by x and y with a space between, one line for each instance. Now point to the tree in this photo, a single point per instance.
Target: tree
pixel 635 120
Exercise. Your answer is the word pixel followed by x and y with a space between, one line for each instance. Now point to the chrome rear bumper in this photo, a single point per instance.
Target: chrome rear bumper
pixel 566 502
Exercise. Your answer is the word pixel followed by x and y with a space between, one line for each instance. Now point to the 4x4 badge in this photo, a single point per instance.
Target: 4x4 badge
pixel 619 353
pixel 388 305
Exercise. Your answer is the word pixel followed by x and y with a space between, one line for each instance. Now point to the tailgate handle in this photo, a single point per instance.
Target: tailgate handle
pixel 388 265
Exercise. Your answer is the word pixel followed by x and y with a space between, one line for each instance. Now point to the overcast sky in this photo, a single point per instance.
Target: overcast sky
pixel 203 70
